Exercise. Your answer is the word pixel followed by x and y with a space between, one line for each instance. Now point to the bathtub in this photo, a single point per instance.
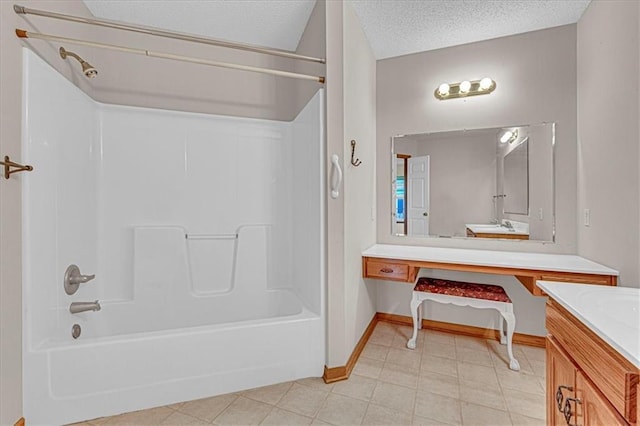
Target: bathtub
pixel 174 341
pixel 94 377
pixel 206 240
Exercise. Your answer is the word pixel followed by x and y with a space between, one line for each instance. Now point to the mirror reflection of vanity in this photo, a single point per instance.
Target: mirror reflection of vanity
pixel 479 183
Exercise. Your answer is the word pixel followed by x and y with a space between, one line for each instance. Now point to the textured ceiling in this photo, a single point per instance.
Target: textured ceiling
pixel 271 23
pixel 401 27
pixel 393 27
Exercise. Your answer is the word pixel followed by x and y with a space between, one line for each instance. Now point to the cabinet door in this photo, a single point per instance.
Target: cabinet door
pixel 592 408
pixel 561 382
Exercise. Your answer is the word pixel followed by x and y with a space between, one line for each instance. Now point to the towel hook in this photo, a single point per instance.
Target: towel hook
pixel 356 162
pixel 8 165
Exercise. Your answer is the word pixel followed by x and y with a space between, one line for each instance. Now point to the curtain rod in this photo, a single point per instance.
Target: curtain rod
pixel 28 34
pixel 164 33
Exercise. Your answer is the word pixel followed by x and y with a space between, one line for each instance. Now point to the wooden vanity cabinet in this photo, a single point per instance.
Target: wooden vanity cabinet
pixel 561 382
pixel 594 409
pixel 598 383
pixel 565 382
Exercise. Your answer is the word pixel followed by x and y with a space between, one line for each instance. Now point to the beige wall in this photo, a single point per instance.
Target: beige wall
pixel 536 82
pixel 608 136
pixel 312 43
pixel 535 74
pixel 359 191
pixel 10 192
pixel 10 240
pixel 350 217
pixel 336 316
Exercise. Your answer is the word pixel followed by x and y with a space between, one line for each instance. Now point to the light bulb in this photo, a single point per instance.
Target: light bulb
pixel 465 86
pixel 443 89
pixel 485 83
pixel 506 136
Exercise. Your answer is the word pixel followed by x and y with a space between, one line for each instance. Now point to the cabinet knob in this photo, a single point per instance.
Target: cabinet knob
pixel 386 270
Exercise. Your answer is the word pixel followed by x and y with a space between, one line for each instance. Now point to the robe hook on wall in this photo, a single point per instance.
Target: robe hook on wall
pixel 17 167
pixel 355 161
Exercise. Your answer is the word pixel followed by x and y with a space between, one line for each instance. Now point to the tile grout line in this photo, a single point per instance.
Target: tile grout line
pixel 459 384
pixel 503 389
pixel 415 395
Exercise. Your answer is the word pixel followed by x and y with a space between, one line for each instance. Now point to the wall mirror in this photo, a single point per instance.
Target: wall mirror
pixel 479 183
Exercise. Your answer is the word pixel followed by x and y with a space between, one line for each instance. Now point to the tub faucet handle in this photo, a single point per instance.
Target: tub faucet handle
pixel 81 279
pixel 73 278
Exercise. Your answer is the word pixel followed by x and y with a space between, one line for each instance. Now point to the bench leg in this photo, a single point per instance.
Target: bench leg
pixel 420 315
pixel 503 335
pixel 510 319
pixel 415 305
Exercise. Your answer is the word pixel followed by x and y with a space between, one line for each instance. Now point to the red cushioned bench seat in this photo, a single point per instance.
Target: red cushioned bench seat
pixel 462 289
pixel 481 296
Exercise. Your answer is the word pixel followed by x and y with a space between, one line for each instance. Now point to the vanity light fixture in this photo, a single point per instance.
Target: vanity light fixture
pixel 509 136
pixel 465 88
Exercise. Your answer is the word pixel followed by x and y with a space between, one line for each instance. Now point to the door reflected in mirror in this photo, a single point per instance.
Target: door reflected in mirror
pixel 515 179
pixel 480 183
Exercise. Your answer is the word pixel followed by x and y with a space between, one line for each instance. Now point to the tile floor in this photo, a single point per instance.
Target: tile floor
pixel 446 380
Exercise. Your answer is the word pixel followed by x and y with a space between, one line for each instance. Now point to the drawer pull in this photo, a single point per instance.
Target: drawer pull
pixel 568 412
pixel 386 270
pixel 560 396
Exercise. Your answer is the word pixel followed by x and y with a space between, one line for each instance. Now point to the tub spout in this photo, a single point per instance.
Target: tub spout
pixel 77 307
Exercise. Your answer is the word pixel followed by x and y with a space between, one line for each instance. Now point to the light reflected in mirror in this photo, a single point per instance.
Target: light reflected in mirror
pixel 480 183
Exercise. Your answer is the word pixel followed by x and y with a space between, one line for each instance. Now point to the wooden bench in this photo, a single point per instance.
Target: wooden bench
pixel 482 296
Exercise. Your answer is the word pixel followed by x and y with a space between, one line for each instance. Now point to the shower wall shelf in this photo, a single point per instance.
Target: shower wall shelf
pixel 211 236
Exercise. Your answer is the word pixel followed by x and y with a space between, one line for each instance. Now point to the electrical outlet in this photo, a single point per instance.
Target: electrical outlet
pixel 540 214
pixel 587 217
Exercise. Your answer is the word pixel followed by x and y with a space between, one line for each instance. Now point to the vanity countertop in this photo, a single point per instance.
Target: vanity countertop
pixel 481 228
pixel 501 259
pixel 613 313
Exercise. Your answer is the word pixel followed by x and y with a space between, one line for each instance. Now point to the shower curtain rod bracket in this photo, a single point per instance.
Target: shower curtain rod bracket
pixel 17 167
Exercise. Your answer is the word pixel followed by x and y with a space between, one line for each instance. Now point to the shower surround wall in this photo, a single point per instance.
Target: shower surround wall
pixel 189 222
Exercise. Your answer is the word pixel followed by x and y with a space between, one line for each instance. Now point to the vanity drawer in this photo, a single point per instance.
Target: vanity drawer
pixel 612 374
pixel 578 278
pixel 388 270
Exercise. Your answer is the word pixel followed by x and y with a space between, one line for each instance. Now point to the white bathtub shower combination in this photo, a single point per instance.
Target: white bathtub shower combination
pixel 206 237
